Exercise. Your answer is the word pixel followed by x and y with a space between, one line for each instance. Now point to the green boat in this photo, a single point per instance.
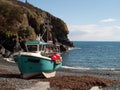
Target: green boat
pixel 39 58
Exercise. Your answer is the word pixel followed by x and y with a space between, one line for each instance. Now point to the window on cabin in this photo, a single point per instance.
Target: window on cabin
pixel 32 48
pixel 42 47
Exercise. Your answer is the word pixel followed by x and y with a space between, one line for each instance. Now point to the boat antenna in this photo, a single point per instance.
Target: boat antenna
pixel 39 38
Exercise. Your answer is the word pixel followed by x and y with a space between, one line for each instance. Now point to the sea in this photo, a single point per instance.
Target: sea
pixel 93 54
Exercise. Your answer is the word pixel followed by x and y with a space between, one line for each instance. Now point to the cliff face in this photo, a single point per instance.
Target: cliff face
pixel 23 22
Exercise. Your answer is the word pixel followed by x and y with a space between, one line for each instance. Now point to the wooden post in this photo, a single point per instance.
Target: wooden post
pixel 26 1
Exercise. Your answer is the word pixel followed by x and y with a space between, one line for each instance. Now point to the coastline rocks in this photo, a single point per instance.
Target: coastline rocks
pixel 21 22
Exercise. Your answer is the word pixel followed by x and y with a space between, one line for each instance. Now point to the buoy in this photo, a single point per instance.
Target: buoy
pixel 54 57
pixel 58 56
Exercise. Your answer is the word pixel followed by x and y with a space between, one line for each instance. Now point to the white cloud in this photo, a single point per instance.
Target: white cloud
pixel 94 33
pixel 108 20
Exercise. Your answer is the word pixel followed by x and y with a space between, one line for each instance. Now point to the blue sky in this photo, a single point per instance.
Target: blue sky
pixel 87 20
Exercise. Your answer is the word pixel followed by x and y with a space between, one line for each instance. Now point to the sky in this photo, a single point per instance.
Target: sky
pixel 87 20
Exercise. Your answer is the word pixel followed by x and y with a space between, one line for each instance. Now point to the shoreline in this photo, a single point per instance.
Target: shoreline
pixel 10 78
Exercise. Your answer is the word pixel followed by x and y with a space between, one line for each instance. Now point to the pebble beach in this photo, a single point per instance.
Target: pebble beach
pixel 65 79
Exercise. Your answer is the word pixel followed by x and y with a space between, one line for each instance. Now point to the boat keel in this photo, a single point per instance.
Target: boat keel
pixel 42 74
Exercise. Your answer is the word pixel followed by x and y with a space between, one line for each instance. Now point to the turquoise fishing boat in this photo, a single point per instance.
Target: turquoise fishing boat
pixel 39 58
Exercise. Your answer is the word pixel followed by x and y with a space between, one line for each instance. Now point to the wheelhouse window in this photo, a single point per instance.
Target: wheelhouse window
pixel 32 48
pixel 42 47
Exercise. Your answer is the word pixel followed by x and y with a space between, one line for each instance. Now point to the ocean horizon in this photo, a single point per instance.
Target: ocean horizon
pixel 93 54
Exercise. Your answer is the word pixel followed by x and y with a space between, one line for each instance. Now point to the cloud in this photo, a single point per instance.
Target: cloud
pixel 94 33
pixel 108 20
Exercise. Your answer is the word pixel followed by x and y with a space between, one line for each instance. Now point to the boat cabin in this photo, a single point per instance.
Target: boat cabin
pixel 46 49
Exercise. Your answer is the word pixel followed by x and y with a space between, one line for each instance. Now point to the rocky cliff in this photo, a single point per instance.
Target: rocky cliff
pixel 21 22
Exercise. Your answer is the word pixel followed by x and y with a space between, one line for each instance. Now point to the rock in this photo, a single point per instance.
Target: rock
pixel 21 22
pixel 40 86
pixel 95 88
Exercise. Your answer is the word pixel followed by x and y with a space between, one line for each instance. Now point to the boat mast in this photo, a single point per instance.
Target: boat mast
pixel 48 28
